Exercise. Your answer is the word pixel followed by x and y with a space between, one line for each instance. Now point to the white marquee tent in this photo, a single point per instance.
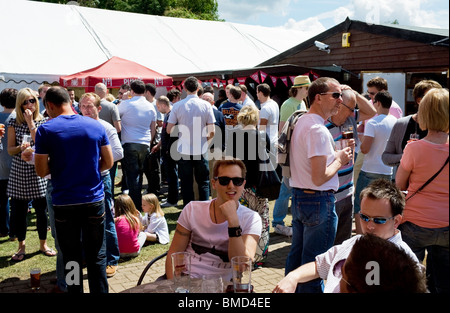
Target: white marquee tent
pixel 43 41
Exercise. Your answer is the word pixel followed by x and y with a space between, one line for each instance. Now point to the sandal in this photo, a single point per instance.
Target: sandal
pixel 48 252
pixel 18 257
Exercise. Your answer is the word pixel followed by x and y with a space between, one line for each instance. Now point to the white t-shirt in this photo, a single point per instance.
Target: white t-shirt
pixel 378 127
pixel 192 114
pixel 156 224
pixel 271 112
pixel 204 232
pixel 310 138
pixel 136 114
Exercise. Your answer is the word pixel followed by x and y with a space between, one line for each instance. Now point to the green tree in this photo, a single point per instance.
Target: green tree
pixel 193 9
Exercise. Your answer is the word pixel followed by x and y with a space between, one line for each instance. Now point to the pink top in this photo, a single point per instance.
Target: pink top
pixel 127 237
pixel 429 208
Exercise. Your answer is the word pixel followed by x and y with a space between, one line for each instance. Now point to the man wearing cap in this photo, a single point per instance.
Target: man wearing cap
pixel 297 94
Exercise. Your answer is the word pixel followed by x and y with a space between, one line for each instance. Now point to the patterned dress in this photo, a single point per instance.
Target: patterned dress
pixel 24 183
pixel 261 206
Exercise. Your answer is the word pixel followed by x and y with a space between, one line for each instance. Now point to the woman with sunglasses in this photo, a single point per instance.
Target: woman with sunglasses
pixel 426 219
pixel 24 186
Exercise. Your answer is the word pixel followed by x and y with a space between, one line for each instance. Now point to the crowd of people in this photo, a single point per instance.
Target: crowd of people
pixel 353 158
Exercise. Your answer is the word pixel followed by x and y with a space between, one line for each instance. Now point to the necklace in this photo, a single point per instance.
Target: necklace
pixel 214 210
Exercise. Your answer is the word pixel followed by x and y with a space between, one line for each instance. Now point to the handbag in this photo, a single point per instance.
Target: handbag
pixel 428 181
pixel 268 183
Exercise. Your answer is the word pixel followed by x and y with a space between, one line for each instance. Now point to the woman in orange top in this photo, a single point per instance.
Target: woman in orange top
pixel 426 215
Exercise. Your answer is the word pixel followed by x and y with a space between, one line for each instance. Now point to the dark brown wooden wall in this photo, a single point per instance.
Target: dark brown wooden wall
pixel 371 52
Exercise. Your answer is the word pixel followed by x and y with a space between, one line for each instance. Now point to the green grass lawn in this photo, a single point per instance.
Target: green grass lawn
pixel 34 258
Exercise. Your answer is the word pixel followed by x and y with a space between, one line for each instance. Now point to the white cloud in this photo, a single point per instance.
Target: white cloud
pixel 405 12
pixel 290 13
pixel 250 9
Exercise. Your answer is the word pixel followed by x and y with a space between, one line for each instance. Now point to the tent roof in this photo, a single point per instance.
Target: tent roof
pixel 113 73
pixel 53 40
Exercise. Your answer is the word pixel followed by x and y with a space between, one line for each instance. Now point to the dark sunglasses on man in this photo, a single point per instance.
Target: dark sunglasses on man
pixel 335 95
pixel 224 180
pixel 376 220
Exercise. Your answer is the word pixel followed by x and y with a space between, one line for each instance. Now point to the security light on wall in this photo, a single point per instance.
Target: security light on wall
pixel 322 46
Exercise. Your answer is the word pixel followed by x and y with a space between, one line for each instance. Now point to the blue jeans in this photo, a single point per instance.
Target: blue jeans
pixel 436 242
pixel 133 160
pixel 364 179
pixel 188 167
pixel 281 207
pixel 171 168
pixel 112 244
pixel 314 223
pixel 60 278
pixel 81 228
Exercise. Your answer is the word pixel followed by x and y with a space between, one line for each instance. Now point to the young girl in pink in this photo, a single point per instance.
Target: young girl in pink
pixel 128 227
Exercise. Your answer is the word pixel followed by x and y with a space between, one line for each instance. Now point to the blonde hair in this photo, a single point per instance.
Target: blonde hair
pixel 433 110
pixel 22 95
pixel 151 198
pixel 124 205
pixel 248 115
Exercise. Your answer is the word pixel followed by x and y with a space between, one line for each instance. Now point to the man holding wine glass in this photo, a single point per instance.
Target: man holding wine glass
pixel 342 126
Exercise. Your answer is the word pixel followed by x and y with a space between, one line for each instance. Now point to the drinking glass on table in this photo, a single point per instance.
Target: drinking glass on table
pixel 181 264
pixel 242 272
pixel 212 284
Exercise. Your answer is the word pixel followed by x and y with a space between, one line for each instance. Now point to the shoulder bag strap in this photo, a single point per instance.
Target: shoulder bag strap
pixel 429 181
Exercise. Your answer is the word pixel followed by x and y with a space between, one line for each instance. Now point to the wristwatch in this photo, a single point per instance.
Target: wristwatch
pixel 234 231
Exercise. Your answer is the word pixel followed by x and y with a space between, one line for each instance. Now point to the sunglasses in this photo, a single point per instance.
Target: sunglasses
pixel 376 220
pixel 224 180
pixel 29 101
pixel 371 93
pixel 335 95
pixel 353 110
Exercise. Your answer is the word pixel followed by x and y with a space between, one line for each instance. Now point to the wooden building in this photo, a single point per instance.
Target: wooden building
pixel 358 51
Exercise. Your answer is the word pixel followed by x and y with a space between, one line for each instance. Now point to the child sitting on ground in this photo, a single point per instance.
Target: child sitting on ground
pixel 128 226
pixel 154 223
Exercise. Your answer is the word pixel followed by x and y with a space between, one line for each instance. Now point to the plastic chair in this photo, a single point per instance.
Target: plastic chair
pixel 141 278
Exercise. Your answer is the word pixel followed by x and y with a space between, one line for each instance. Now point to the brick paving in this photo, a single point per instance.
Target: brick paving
pixel 263 279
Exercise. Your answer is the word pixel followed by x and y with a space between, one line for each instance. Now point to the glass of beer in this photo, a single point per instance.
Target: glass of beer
pixel 35 278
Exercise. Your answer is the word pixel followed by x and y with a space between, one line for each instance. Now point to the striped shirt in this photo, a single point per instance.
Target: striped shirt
pixel 345 173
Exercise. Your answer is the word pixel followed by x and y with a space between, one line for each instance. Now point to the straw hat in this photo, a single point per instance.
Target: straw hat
pixel 301 81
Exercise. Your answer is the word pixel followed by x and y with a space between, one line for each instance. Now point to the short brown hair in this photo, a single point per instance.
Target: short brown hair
pixel 229 162
pixel 378 82
pixel 385 189
pixel 421 88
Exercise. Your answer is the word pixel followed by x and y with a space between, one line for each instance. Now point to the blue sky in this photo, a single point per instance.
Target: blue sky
pixel 317 16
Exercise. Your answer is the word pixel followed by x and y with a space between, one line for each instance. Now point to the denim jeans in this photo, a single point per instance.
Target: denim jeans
pixel 364 179
pixel 133 160
pixel 80 229
pixel 436 242
pixel 314 223
pixel 112 244
pixel 171 168
pixel 188 167
pixel 281 207
pixel 60 278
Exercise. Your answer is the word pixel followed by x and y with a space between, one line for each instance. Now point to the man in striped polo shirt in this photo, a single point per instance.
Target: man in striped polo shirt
pixel 348 116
